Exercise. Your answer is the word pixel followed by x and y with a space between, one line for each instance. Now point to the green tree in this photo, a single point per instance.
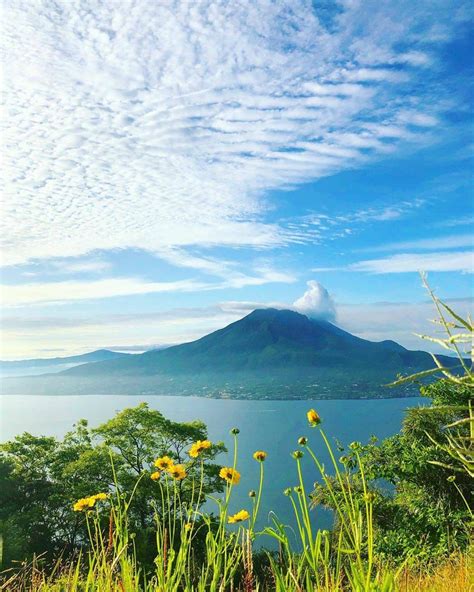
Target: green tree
pixel 420 506
pixel 41 478
pixel 421 478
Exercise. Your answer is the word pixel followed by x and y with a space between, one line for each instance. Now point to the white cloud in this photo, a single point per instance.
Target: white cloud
pixel 385 214
pixel 53 292
pixel 316 302
pixel 228 270
pixel 152 125
pixel 71 267
pixel 398 321
pixel 316 227
pixel 458 241
pixel 37 293
pixel 408 262
pixel 26 336
pixel 466 220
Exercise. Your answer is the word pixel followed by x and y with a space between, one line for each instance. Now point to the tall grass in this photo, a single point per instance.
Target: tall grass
pixel 201 552
pixel 318 561
pixel 458 339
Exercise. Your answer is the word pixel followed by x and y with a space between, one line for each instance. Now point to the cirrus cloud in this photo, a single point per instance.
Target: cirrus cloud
pixel 155 125
pixel 414 262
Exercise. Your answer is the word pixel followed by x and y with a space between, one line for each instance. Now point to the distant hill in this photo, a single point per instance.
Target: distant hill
pixel 42 365
pixel 268 354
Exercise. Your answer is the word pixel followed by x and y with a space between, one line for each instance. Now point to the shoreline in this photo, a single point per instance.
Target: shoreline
pixel 237 398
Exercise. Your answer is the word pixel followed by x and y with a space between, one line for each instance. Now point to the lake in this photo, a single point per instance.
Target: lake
pixel 273 426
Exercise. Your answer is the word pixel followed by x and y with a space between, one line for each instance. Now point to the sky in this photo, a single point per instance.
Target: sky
pixel 170 166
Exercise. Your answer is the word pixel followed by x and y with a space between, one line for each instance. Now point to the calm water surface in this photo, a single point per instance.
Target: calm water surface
pixel 273 426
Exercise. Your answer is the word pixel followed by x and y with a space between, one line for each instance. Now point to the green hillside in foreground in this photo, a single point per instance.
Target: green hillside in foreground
pixel 268 354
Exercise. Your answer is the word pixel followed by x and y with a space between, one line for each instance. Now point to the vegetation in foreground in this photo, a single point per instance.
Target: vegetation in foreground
pixel 120 508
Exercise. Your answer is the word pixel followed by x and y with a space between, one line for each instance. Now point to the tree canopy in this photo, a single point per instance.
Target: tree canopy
pixel 42 477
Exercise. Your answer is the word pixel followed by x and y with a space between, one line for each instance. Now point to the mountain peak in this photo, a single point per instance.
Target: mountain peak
pixel 275 313
pixel 285 317
pixel 267 349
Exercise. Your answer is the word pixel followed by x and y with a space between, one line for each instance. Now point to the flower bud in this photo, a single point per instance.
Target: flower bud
pixel 235 431
pixel 313 418
pixel 252 493
pixel 297 454
pixel 302 441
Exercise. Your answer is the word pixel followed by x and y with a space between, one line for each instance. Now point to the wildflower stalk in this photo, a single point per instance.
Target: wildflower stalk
pixel 258 499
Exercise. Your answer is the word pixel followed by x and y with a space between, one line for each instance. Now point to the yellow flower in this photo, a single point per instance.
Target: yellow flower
pixel 81 504
pixel 313 417
pixel 88 502
pixel 188 526
pixel 100 496
pixel 260 455
pixel 155 476
pixel 239 517
pixel 199 447
pixel 230 475
pixel 164 463
pixel 177 472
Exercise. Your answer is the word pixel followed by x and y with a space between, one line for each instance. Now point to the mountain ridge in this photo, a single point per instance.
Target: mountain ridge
pixel 263 339
pixel 97 355
pixel 268 354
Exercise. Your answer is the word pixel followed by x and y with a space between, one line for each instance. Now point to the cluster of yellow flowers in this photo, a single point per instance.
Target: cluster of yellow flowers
pixel 165 463
pixel 87 503
pixel 239 517
pixel 230 475
pixel 199 447
pixel 178 471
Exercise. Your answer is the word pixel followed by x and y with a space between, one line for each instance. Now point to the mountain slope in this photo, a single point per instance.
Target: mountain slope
pixel 272 354
pixel 43 365
pixel 265 339
pixel 98 355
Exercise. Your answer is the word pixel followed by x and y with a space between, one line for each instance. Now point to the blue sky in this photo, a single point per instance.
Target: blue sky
pixel 171 166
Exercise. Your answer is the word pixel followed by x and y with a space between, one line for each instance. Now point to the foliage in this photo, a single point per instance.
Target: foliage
pixel 42 477
pixel 421 478
pixel 419 510
pixel 228 563
pixel 457 442
pixel 196 552
pixel 399 504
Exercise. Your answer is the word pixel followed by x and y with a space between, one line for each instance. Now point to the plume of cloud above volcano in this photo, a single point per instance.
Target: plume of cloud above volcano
pixel 316 303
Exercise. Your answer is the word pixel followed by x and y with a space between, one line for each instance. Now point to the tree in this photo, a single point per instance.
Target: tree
pixel 42 477
pixel 421 478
